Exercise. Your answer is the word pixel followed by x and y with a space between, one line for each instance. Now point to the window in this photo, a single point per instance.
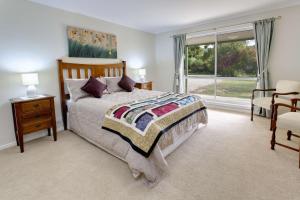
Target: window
pixel 236 55
pixel 222 66
pixel 201 57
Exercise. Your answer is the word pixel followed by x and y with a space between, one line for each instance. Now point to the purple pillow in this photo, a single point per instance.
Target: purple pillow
pixel 94 87
pixel 126 83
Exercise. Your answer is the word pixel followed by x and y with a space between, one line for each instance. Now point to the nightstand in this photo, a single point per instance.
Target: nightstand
pixel 147 85
pixel 33 114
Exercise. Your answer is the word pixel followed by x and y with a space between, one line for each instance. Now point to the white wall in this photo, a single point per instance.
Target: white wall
pixel 33 36
pixel 285 54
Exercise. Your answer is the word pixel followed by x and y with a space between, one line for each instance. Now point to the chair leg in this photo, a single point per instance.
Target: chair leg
pixel 289 134
pixel 252 109
pixel 271 125
pixel 271 128
pixel 272 113
pixel 273 140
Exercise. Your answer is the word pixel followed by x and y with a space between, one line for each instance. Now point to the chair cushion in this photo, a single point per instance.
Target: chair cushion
pixel 289 121
pixel 265 102
pixel 284 86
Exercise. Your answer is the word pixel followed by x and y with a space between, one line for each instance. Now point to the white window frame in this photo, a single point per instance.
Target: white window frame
pixel 215 101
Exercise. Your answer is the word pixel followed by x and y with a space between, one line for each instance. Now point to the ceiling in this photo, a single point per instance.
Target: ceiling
pixel 156 16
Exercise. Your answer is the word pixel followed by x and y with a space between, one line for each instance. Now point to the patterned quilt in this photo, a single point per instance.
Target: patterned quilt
pixel 142 123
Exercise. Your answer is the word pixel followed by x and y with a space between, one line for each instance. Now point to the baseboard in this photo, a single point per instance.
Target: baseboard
pixel 30 137
pixel 6 146
pixel 228 108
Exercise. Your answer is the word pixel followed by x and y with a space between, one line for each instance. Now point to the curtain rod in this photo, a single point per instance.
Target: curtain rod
pixel 277 17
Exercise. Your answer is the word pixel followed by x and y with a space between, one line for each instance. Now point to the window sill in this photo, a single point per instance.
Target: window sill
pixel 240 106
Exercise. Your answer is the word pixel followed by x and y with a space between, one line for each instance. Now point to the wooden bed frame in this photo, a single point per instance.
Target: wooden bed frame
pixel 77 71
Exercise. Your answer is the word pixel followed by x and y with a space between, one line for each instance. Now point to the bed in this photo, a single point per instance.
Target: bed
pixel 85 117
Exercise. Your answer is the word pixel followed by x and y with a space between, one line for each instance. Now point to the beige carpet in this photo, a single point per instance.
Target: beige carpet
pixel 229 159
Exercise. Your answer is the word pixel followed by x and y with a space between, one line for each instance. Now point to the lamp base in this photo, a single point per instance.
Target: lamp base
pixel 31 91
pixel 142 78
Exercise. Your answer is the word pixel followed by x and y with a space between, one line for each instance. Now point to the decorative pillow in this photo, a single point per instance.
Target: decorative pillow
pixel 74 88
pixel 112 84
pixel 94 87
pixel 127 83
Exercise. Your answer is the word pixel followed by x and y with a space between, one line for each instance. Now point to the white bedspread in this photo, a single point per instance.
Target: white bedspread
pixel 87 114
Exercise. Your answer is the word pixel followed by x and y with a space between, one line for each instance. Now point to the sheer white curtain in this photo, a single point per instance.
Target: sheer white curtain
pixel 179 45
pixel 263 31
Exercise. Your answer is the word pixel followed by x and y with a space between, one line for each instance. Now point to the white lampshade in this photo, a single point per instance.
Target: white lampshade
pixel 142 72
pixel 30 79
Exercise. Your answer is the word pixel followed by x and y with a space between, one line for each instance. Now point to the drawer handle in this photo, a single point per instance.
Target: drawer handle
pixel 36 105
pixel 37 116
pixel 38 125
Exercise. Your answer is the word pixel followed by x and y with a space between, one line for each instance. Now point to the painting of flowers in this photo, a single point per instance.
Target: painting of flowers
pixel 91 44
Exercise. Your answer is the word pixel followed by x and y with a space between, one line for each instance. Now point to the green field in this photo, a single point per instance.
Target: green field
pixel 229 88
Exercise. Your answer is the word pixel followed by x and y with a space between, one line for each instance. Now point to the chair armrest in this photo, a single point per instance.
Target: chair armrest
pixel 276 94
pixel 255 90
pixel 295 100
pixel 261 90
pixel 275 107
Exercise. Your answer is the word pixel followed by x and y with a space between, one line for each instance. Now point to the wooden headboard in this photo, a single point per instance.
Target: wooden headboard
pixel 69 70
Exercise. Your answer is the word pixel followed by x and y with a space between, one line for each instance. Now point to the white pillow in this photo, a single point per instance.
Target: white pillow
pixel 74 88
pixel 101 79
pixel 112 84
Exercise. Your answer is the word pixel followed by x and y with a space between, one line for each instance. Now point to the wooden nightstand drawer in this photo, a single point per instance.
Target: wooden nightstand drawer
pixel 36 125
pixel 144 85
pixel 36 114
pixel 36 106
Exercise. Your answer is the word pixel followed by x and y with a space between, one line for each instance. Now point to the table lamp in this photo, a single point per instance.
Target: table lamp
pixel 142 73
pixel 30 80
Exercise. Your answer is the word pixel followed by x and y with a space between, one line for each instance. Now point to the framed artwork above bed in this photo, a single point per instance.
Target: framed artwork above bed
pixel 91 44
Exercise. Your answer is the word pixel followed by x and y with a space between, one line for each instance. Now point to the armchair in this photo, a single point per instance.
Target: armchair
pixel 284 91
pixel 289 121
